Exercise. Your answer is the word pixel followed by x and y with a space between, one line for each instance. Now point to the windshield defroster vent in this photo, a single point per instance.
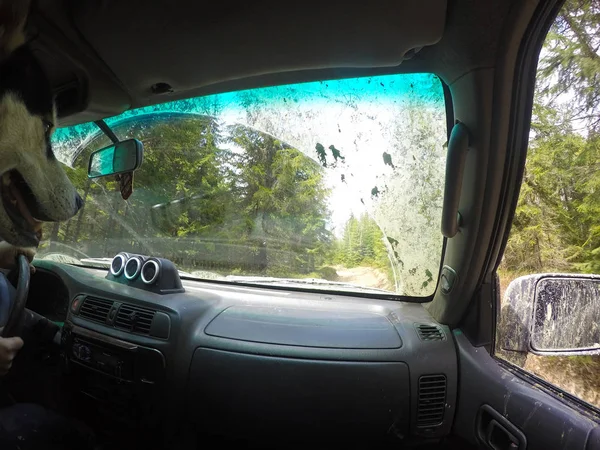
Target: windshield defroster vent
pixel 431 402
pixel 428 332
pixel 95 309
pixel 134 319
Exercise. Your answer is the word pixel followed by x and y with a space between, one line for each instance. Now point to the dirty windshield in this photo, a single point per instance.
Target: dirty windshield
pixel 333 185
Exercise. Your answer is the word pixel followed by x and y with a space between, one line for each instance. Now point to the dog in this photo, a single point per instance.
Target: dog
pixel 34 187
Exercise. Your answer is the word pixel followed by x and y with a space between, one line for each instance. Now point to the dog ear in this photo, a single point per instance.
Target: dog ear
pixel 13 16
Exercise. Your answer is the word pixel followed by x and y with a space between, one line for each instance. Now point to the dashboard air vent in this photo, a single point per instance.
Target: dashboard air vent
pixel 134 319
pixel 431 401
pixel 95 309
pixel 429 332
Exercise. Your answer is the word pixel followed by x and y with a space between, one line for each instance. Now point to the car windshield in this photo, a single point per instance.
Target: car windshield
pixel 332 185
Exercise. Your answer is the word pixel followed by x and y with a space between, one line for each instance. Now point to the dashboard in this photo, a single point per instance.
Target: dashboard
pixel 218 360
pixel 48 296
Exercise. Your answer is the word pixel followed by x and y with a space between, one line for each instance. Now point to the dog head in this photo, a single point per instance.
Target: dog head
pixel 33 186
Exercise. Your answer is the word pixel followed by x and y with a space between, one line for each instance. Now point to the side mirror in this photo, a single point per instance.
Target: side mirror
pixel 551 314
pixel 124 156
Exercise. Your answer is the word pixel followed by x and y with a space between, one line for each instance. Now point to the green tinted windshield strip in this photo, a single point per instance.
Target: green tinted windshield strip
pixel 422 88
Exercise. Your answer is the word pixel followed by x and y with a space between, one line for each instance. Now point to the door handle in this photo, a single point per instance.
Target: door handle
pixel 499 438
pixel 495 432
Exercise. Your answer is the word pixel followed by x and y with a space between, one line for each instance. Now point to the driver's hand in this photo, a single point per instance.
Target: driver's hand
pixel 9 253
pixel 9 347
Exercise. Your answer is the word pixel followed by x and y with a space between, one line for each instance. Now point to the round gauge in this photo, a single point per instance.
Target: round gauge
pixel 118 264
pixel 150 271
pixel 132 267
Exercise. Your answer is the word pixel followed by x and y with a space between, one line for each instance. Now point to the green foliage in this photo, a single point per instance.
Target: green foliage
pixel 234 200
pixel 571 63
pixel 362 243
pixel 556 225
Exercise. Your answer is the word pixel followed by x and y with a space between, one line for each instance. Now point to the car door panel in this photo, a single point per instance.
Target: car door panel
pixel 545 421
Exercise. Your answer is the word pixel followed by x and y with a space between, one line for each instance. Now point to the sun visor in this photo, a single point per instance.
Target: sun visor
pixel 84 88
pixel 192 44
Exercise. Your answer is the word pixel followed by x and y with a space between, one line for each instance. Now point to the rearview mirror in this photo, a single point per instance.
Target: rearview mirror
pixel 551 314
pixel 124 156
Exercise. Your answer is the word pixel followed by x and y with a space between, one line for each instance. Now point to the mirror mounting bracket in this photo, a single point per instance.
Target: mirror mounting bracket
pixel 107 130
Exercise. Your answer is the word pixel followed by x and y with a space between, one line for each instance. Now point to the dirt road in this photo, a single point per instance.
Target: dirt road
pixel 364 276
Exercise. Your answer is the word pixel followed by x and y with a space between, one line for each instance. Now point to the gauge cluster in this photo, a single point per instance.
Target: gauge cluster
pixel 153 274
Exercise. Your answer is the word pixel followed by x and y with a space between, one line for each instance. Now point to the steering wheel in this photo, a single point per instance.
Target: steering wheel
pixel 13 299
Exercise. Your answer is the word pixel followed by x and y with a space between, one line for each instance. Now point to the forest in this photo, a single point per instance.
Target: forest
pixel 224 197
pixel 260 210
pixel 556 225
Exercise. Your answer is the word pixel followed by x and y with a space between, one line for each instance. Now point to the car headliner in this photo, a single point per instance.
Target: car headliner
pixel 104 57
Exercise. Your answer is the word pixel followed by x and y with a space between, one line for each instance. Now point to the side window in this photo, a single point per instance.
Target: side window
pixel 549 321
